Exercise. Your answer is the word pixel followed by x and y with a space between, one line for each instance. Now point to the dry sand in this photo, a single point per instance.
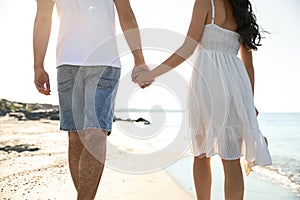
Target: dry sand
pixel 33 165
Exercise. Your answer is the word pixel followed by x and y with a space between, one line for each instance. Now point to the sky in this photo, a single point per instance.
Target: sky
pixel 276 62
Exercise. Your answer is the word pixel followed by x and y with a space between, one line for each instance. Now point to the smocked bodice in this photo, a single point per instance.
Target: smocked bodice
pixel 216 38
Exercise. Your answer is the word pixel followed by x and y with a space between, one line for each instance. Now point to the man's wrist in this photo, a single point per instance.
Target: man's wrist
pixel 138 58
pixel 139 62
pixel 38 67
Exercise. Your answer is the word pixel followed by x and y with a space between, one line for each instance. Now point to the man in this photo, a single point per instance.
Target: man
pixel 88 71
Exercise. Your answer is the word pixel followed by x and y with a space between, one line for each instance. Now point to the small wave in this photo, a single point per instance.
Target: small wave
pixel 276 174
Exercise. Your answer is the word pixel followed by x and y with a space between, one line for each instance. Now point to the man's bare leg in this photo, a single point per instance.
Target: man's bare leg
pixel 234 181
pixel 202 178
pixel 75 150
pixel 91 163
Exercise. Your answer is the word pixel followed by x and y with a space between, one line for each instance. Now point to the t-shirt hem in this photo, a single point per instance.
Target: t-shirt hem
pixel 96 65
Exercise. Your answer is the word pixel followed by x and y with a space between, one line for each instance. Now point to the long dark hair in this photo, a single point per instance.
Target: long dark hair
pixel 246 23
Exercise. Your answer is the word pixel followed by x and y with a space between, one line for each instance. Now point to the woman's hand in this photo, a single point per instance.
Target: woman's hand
pixel 144 79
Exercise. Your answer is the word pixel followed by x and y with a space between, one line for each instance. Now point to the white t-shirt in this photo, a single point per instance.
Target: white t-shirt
pixel 87 33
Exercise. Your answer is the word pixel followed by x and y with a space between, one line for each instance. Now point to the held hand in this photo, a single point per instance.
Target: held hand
pixel 41 81
pixel 137 70
pixel 144 79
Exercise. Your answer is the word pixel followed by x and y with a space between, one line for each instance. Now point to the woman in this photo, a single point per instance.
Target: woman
pixel 221 110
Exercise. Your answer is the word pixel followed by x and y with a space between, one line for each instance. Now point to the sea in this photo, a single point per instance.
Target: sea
pixel 282 131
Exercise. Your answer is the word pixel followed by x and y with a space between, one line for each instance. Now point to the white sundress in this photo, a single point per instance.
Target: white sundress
pixel 221 109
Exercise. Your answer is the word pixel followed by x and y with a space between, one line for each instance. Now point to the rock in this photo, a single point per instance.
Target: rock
pixel 42 114
pixel 3 112
pixel 54 117
pixel 146 122
pixel 18 148
pixel 34 115
pixel 17 115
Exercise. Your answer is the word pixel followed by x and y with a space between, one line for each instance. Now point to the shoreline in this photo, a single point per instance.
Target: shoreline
pixel 257 186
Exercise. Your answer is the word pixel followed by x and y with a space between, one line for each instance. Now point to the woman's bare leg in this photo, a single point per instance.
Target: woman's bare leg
pixel 234 181
pixel 202 178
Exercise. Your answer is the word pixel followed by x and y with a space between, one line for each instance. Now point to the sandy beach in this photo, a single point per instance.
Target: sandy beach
pixel 33 165
pixel 43 173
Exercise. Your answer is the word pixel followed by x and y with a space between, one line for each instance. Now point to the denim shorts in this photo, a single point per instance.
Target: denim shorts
pixel 87 96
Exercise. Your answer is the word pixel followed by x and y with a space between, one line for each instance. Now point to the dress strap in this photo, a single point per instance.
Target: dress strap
pixel 212 12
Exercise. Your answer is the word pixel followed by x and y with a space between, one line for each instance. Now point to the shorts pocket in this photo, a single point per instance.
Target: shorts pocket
pixel 65 86
pixel 65 78
pixel 109 78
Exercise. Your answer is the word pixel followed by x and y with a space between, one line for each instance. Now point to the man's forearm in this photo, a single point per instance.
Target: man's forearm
pixel 133 38
pixel 41 31
pixel 41 35
pixel 131 31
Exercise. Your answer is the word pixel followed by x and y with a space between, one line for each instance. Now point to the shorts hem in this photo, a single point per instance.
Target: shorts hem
pixel 74 129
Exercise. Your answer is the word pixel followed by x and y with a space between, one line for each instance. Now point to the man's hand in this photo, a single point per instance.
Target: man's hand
pixel 144 79
pixel 137 70
pixel 41 81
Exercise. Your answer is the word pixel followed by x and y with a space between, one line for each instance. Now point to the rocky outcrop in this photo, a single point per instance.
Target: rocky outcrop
pixel 37 111
pixel 42 114
pixel 28 111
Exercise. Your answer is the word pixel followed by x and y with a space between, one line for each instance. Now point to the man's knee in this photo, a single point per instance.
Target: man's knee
pixel 94 136
pixel 95 143
pixel 94 139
